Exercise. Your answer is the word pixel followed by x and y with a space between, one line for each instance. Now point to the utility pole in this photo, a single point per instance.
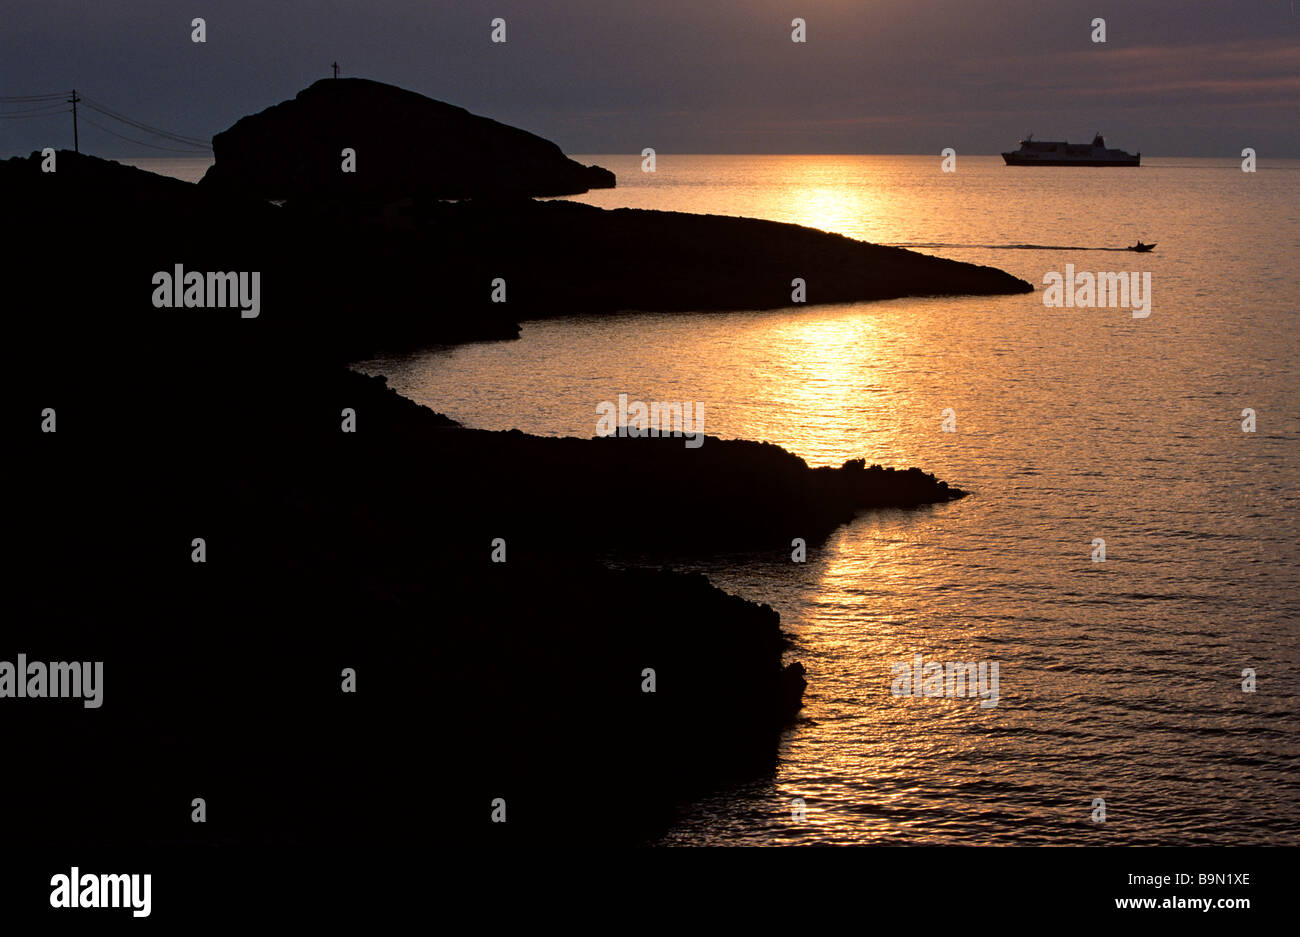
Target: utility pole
pixel 76 148
pixel 336 69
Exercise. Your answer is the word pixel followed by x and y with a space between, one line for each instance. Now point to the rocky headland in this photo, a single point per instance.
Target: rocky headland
pixel 373 549
pixel 405 145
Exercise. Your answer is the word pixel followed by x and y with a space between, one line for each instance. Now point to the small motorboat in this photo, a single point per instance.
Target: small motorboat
pixel 1141 248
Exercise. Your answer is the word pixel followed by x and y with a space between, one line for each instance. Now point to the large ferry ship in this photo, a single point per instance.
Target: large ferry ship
pixel 1050 153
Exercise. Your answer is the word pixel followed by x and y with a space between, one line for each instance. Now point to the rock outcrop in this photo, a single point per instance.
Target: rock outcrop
pixel 404 144
pixel 561 258
pixel 393 220
pixel 368 550
pixel 349 283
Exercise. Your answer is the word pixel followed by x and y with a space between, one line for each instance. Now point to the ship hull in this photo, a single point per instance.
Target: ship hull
pixel 1013 159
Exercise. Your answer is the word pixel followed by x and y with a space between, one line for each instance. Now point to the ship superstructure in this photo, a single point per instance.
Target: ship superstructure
pixel 1059 153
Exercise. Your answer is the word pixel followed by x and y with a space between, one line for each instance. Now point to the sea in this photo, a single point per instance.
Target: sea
pixel 1126 563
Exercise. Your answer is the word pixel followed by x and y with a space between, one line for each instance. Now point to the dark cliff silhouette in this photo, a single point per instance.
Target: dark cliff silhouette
pixel 369 550
pixel 391 218
pixel 405 144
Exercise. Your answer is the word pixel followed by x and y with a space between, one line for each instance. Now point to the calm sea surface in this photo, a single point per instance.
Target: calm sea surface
pixel 1119 680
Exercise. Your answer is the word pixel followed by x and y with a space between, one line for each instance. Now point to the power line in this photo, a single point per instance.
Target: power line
pixel 139 142
pixel 140 125
pixel 30 97
pixel 44 105
pixel 47 105
pixel 26 115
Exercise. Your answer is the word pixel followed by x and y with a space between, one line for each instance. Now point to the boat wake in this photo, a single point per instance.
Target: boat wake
pixel 1007 247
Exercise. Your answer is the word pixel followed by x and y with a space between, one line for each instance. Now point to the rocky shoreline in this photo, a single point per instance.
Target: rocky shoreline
pixel 374 549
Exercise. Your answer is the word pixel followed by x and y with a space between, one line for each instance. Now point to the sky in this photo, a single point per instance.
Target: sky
pixel 1174 77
